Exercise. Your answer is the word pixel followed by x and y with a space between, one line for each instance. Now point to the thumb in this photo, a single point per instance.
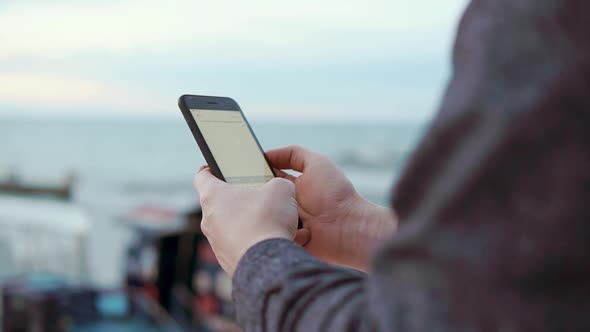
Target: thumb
pixel 302 237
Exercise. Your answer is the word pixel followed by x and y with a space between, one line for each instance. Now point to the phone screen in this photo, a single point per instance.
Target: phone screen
pixel 233 147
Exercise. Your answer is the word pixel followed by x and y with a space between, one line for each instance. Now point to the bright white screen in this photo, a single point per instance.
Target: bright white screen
pixel 233 146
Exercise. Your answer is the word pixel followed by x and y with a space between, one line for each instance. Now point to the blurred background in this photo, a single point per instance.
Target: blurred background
pixel 94 151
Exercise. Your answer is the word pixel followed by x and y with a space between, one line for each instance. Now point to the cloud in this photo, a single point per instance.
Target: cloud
pixel 315 55
pixel 44 88
pixel 47 91
pixel 124 27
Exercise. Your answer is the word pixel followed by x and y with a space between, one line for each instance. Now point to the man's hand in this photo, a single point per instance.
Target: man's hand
pixel 341 227
pixel 234 218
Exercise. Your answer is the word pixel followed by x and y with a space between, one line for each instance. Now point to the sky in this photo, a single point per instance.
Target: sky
pixel 377 60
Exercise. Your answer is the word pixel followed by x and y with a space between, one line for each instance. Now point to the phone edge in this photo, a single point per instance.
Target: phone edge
pixel 198 136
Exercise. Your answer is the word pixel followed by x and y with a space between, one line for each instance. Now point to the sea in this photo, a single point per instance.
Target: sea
pixel 121 164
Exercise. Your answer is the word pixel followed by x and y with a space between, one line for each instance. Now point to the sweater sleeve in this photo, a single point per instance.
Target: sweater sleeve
pixel 280 287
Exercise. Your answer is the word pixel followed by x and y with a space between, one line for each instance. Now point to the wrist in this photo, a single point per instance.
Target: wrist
pixel 369 224
pixel 240 248
pixel 381 221
pixel 385 221
pixel 263 236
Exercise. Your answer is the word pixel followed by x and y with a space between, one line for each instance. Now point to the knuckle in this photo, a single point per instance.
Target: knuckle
pixel 205 199
pixel 296 147
pixel 207 212
pixel 197 180
pixel 205 226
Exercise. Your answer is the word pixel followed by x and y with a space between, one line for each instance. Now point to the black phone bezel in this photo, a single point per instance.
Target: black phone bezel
pixel 188 102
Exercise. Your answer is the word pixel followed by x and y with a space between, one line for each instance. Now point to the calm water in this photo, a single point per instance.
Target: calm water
pixel 123 164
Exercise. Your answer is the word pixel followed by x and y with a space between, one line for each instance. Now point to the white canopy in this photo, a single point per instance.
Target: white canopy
pixel 40 235
pixel 63 217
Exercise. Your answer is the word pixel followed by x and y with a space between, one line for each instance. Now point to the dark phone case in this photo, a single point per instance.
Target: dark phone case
pixel 229 104
pixel 192 124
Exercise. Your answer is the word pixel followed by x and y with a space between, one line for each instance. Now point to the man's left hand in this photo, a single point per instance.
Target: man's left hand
pixel 234 218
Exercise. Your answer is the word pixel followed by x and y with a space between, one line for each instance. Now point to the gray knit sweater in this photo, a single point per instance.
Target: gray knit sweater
pixel 494 204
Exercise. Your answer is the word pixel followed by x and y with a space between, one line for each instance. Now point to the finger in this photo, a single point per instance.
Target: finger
pixel 284 175
pixel 302 236
pixel 205 180
pixel 202 168
pixel 291 157
pixel 280 186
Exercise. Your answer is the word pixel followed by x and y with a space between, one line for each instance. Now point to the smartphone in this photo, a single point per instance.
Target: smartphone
pixel 226 140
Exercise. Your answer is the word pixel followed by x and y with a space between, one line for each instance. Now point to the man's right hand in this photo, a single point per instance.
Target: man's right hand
pixel 340 226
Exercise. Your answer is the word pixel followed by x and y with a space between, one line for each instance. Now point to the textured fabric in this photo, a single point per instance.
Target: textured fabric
pixel 494 204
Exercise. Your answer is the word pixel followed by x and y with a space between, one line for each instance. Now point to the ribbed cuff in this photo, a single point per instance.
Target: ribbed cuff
pixel 265 264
